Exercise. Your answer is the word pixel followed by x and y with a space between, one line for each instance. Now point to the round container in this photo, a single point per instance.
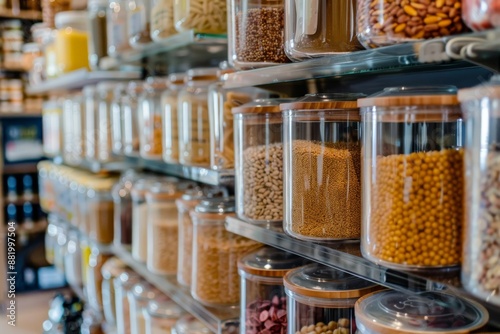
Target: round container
pixel 256 33
pixel 122 285
pixel 170 138
pixel 139 218
pixel 188 324
pixel 258 142
pixel 481 15
pixel 322 299
pixel 99 254
pixel 162 20
pixel 91 122
pixel 200 16
pixel 131 118
pixel 138 298
pixel 427 312
pixel 322 153
pixel 381 23
pixel 482 153
pixel 194 124
pixel 100 209
pixel 98 44
pixel 104 94
pixel 73 259
pixel 110 270
pixel 52 128
pixel 117 27
pixel 214 280
pixel 161 316
pixel 122 198
pixel 117 107
pixel 262 291
pixel 139 23
pixel 412 176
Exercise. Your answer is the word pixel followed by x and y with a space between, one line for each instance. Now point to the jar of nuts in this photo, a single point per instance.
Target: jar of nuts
pixel 188 324
pixel 427 312
pixel 322 159
pixel 101 210
pixel 194 125
pixel 480 269
pixel 412 174
pixel 382 22
pixel 202 16
pixel 119 94
pixel 263 302
pixel 214 280
pixel 138 298
pixel 104 94
pixel 131 118
pixel 259 161
pixel 161 316
pixel 321 299
pixel 170 139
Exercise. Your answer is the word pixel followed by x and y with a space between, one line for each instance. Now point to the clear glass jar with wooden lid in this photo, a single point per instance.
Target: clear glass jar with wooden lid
pixel 101 210
pixel 161 315
pixel 262 291
pixel 169 102
pixel 412 174
pixel 321 299
pixel 131 118
pixel 322 167
pixel 258 127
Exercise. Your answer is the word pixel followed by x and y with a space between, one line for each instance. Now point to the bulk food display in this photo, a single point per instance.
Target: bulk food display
pixel 322 167
pixel 412 177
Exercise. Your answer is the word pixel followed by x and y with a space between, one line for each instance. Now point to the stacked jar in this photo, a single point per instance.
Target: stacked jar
pixel 138 298
pixel 202 17
pixel 131 118
pixel 169 102
pixel 123 284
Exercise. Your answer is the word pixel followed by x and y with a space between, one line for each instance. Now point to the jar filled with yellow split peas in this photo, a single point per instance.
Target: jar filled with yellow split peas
pixel 170 118
pixel 412 172
pixel 194 125
pixel 150 120
pixel 202 16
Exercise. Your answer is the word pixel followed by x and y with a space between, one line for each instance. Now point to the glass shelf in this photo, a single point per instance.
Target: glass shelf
pixel 219 320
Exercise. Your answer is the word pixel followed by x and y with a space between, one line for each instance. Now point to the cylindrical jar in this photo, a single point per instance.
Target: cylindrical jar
pixel 322 167
pixel 72 119
pixel 122 217
pixel 259 161
pixel 214 278
pixel 321 299
pixel 51 238
pixel 99 254
pixel 162 19
pixel 480 270
pixel 104 94
pixel 122 285
pixel 256 33
pixel 52 128
pixel 412 176
pixel 110 270
pixel 90 122
pixel 481 14
pixel 100 210
pixel 194 124
pixel 98 44
pixel 139 23
pixel 161 316
pixel 382 23
pixel 170 133
pixel 202 17
pixel 73 259
pixel 418 313
pixel 117 107
pixel 138 298
pixel 60 244
pixel 131 118
pixel 139 218
pixel 262 291
pixel 117 27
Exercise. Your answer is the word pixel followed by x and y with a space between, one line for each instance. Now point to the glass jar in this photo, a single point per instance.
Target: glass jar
pixel 100 210
pixel 170 131
pixel 51 238
pixel 139 218
pixel 151 111
pixel 322 158
pixel 320 296
pixel 202 17
pixel 117 27
pixel 262 290
pixel 161 316
pixel 412 176
pixel 99 254
pixel 104 92
pixel 162 20
pixel 259 156
pixel 481 15
pixel 98 44
pixel 416 313
pixel 60 244
pixel 117 106
pixel 72 119
pixel 122 217
pixel 138 298
pixel 110 270
pixel 31 51
pixel 256 33
pixel 188 324
pixel 49 52
pixel 73 259
pixel 90 122
pixel 139 23
pixel 214 280
pixel 131 118
pixel 83 214
pixel 85 250
pixel 52 128
pixel 381 23
pixel 194 124
pixel 122 285
pixel 481 115
pixel 320 28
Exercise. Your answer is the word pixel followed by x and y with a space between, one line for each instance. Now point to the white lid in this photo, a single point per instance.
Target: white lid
pixel 76 19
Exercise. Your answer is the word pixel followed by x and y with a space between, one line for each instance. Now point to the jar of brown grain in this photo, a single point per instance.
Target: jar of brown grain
pixel 100 210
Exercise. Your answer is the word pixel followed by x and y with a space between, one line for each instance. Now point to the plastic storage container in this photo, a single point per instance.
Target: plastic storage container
pixel 139 297
pixel 122 216
pixel 482 151
pixel 412 177
pixel 427 312
pixel 98 44
pixel 117 27
pixel 322 299
pixel 481 14
pixel 256 33
pixel 381 23
pixel 170 119
pixel 259 161
pixel 214 278
pixel 162 19
pixel 194 124
pixel 100 210
pixel 110 270
pixel 131 118
pixel 320 28
pixel 161 316
pixel 123 284
pixel 52 128
pixel 200 16
pixel 139 23
pixel 322 153
pixel 104 94
pixel 262 291
pixel 99 254
pixel 117 108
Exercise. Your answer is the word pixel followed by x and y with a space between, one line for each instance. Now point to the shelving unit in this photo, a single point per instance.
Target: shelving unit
pixel 33 15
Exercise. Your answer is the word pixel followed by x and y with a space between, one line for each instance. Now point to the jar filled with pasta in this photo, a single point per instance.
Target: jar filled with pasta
pixel 162 19
pixel 202 16
pixel 171 118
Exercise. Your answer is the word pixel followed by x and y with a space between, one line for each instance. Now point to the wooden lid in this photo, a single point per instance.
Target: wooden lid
pixel 411 96
pixel 261 106
pixel 324 101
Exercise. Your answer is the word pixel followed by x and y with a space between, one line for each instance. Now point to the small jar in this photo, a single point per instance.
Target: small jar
pixel 99 254
pixel 380 23
pixel 52 128
pixel 194 124
pixel 202 17
pixel 418 313
pixel 412 174
pixel 161 316
pixel 117 107
pixel 98 44
pixel 320 296
pixel 169 102
pixel 259 156
pixel 104 92
pixel 117 28
pixel 162 19
pixel 150 122
pixel 72 259
pixel 214 280
pixel 139 23
pixel 262 290
pixel 322 153
pixel 481 15
pixel 122 285
pixel 122 217
pixel 110 270
pixel 90 122
pixel 100 209
pixel 131 118
pixel 138 298
pixel 257 33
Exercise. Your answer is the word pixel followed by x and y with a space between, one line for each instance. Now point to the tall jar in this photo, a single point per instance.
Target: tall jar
pixel 200 16
pixel 188 324
pixel 100 210
pixel 320 28
pixel 139 23
pixel 259 156
pixel 139 218
pixel 323 299
pixel 90 122
pixel 122 285
pixel 117 107
pixel 72 259
pixel 138 298
pixel 161 316
pixel 98 44
pixel 482 151
pixel 322 159
pixel 162 19
pixel 256 35
pixel 214 278
pixel 194 128
pixel 170 133
pixel 104 94
pixel 72 129
pixel 151 111
pixel 131 118
pixel 122 217
pixel 412 176
pixel 83 212
pixel 51 238
pixel 117 27
pixel 110 270
pixel 262 290
pixel 52 127
pixel 99 254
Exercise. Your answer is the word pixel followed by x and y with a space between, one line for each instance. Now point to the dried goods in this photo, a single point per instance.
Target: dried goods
pixel 204 16
pixel 102 228
pixel 267 315
pixel 162 19
pixel 153 146
pixel 163 237
pixel 341 326
pixel 195 142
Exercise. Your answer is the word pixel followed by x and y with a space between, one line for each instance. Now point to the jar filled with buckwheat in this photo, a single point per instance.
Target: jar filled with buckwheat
pixel 412 171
